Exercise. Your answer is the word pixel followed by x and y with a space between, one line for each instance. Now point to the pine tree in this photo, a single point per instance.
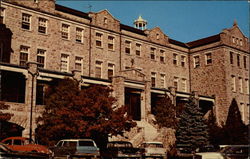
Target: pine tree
pixel 166 113
pixel 192 129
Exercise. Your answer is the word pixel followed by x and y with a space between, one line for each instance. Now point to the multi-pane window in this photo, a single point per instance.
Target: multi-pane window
pixel 98 69
pixel 196 61
pixel 65 31
pixel 79 35
pixel 183 84
pixel 153 79
pixel 163 81
pixel 127 47
pixel 247 86
pixel 138 49
pixel 98 40
pixel 176 82
pixel 245 61
pixel 41 57
pixel 42 25
pixel 241 85
pixel 162 56
pixel 111 68
pixel 111 41
pixel 208 58
pixel 233 83
pixel 78 63
pixel 26 20
pixel 238 60
pixel 2 11
pixel 231 57
pixel 183 61
pixel 175 59
pixel 152 53
pixel 24 53
pixel 64 63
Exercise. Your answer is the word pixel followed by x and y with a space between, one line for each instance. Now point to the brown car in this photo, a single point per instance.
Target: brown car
pixel 23 144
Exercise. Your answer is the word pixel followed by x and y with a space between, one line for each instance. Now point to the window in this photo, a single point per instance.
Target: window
pixel 26 19
pixel 176 83
pixel 183 61
pixel 245 61
pixel 233 83
pixel 208 58
pixel 105 20
pixel 42 25
pixel 153 79
pixel 184 85
pixel 233 39
pixel 231 57
pixel 98 41
pixel 247 86
pixel 98 69
pixel 138 49
pixel 65 31
pixel 238 60
pixel 24 52
pixel 157 36
pixel 78 63
pixel 237 41
pixel 241 43
pixel 79 35
pixel 175 59
pixel 40 58
pixel 196 61
pixel 127 47
pixel 111 42
pixel 2 10
pixel 111 68
pixel 152 53
pixel 162 56
pixel 163 81
pixel 241 85
pixel 64 63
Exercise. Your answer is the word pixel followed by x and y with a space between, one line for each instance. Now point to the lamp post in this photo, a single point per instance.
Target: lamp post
pixel 33 75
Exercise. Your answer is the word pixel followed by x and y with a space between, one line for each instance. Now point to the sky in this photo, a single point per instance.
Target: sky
pixel 183 21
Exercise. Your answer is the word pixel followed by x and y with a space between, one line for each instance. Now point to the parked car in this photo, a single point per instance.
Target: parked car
pixel 153 149
pixel 227 152
pixel 184 151
pixel 76 148
pixel 121 149
pixel 24 144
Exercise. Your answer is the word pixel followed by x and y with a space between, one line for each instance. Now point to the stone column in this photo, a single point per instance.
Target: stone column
pixel 119 89
pixel 147 100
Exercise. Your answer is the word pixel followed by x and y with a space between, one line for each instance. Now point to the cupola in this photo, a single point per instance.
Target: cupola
pixel 140 23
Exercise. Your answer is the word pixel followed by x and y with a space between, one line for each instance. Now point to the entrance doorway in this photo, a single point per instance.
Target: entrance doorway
pixel 133 103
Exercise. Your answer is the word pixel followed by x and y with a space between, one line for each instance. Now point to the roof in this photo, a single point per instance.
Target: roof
pixel 172 41
pixel 72 11
pixel 132 29
pixel 204 41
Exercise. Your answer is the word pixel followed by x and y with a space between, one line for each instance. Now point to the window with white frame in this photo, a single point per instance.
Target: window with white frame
pixel 79 35
pixel 152 53
pixel 98 40
pixel 241 84
pixel 208 58
pixel 26 20
pixel 41 58
pixel 78 63
pixel 162 56
pixel 247 86
pixel 153 79
pixel 238 60
pixel 127 47
pixel 175 82
pixel 196 61
pixel 138 49
pixel 111 41
pixel 184 84
pixel 98 69
pixel 175 59
pixel 237 41
pixel 241 42
pixel 231 57
pixel 24 54
pixel 233 83
pixel 65 31
pixel 42 25
pixel 2 10
pixel 111 69
pixel 163 81
pixel 183 61
pixel 64 63
pixel 245 61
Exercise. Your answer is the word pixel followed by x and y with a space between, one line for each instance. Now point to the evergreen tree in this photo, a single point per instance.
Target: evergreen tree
pixel 165 113
pixel 192 129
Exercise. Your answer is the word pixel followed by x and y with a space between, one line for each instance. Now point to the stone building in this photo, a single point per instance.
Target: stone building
pixel 41 40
